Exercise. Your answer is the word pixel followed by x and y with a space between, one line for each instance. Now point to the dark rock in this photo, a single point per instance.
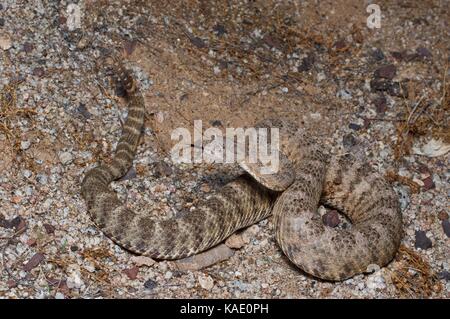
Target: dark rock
pixel 219 30
pixel 223 65
pixel 380 84
pixel 62 20
pixel 307 63
pixel 392 88
pixel 340 45
pixel 50 229
pixel 131 272
pixel 199 43
pixel 386 72
pixel 18 223
pixel 73 248
pixel 33 262
pixel 420 54
pixel 380 104
pixel 150 284
pixel 354 126
pixel 2 22
pixel 81 109
pixel 162 169
pixel 446 227
pixel 378 55
pixel 131 174
pixel 331 218
pixel 11 283
pixel 27 47
pixel 273 41
pixel 398 89
pixel 31 242
pixel 444 275
pixel 422 241
pixel 349 140
pixel 38 71
pixel 423 53
pixel 428 183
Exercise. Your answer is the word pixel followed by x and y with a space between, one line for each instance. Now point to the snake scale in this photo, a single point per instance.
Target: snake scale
pixel 316 178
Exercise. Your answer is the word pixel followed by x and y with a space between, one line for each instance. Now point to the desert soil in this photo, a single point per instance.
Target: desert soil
pixel 381 94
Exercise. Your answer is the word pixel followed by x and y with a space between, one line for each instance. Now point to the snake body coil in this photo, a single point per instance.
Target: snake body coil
pixel 328 253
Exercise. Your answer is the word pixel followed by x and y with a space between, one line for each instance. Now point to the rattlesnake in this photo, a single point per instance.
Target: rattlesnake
pixel 316 177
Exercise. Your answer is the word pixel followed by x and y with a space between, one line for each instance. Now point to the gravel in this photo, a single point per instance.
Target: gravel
pixel 60 115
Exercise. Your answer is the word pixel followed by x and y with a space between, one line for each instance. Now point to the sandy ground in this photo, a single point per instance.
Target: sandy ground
pixel 379 94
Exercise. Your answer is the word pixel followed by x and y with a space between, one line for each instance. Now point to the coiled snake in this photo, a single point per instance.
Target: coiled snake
pixel 308 176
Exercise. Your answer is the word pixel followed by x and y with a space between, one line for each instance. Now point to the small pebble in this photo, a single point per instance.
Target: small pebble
pixel 150 284
pixel 219 29
pixel 42 179
pixel 168 275
pixel 131 174
pixel 444 275
pixel 142 261
pixel 354 126
pixel 331 218
pixel 349 140
pixel 49 228
pixel 59 295
pixel 24 145
pixel 376 281
pixel 162 169
pixel 84 111
pixel 344 94
pixel 340 45
pixel 26 173
pixel 422 241
pixel 235 241
pixel 65 158
pixel 5 42
pixel 33 262
pixel 423 52
pixel 11 283
pixel 428 184
pixel 386 72
pixel 131 272
pixel 206 282
pixel 378 55
pixel 18 223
